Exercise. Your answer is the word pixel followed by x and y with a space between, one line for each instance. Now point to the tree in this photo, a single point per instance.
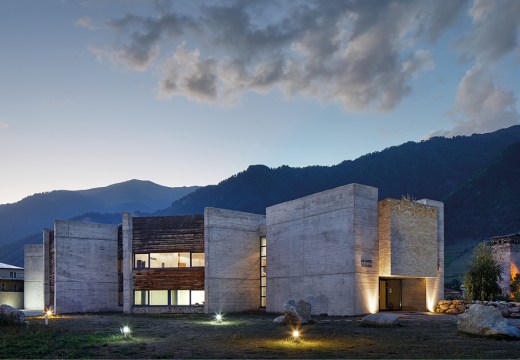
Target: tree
pixel 483 275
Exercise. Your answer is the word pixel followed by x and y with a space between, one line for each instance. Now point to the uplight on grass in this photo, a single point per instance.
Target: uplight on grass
pixel 296 334
pixel 125 330
pixel 218 318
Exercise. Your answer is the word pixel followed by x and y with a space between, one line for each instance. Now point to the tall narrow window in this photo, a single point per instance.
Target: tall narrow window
pixel 141 261
pixel 263 270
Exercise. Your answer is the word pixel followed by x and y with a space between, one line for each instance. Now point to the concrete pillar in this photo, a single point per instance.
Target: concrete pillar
pixel 435 286
pixel 33 277
pixel 128 279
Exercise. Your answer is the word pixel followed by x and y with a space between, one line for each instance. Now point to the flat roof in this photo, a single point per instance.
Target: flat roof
pixel 7 266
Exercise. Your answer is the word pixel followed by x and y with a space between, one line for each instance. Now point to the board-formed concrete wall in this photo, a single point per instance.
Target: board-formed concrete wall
pixel 324 247
pixel 408 239
pixel 232 254
pixel 33 277
pixel 86 267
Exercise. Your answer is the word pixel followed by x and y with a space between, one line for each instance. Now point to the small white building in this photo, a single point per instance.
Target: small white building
pixel 11 285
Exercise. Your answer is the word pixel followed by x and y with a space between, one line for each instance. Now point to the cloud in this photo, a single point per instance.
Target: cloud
pixel 483 105
pixel 3 125
pixel 496 28
pixel 86 22
pixel 360 54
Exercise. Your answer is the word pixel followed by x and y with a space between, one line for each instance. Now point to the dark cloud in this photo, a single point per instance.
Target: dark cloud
pixel 358 53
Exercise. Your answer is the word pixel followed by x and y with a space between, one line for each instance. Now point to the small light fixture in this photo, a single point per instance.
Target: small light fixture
pixel 125 330
pixel 218 318
pixel 47 315
pixel 296 335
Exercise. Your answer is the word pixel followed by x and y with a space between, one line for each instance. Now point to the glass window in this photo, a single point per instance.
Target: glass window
pixel 163 260
pixel 197 297
pixel 158 297
pixel 141 297
pixel 141 261
pixel 180 297
pixel 184 259
pixel 263 240
pixel 197 259
pixel 263 251
pixel 263 301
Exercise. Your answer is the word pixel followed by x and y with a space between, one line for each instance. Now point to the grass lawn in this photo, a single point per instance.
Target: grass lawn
pixel 244 336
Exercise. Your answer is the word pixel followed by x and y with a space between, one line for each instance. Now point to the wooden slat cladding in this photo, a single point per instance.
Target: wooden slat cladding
pixel 52 262
pixel 176 279
pixel 168 234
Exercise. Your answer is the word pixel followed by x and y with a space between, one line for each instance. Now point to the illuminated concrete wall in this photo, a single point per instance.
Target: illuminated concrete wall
pixel 232 253
pixel 86 277
pixel 324 247
pixel 33 277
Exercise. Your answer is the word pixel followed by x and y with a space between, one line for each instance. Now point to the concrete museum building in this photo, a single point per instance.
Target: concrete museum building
pixel 342 249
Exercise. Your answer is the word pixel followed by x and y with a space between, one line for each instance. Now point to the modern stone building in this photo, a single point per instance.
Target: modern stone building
pixel 506 250
pixel 342 249
pixel 11 285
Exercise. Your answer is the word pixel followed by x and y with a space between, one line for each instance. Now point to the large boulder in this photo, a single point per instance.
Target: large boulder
pixel 280 319
pixel 297 312
pixel 11 316
pixel 486 321
pixel 380 320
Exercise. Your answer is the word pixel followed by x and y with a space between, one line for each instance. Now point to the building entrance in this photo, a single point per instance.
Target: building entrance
pixel 390 294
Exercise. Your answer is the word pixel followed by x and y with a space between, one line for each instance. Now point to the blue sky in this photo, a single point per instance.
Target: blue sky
pixel 192 92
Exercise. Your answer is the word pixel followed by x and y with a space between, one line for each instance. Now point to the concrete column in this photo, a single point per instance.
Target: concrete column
pixel 435 286
pixel 128 279
pixel 33 277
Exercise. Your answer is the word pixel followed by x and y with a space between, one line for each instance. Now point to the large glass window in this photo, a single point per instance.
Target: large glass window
pixel 197 297
pixel 141 261
pixel 158 297
pixel 168 260
pixel 180 297
pixel 197 259
pixel 141 297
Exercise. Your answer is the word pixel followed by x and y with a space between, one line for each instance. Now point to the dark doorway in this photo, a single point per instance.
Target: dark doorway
pixel 390 294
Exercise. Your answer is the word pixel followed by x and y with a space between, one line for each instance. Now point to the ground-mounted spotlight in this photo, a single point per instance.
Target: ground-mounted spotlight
pixel 218 318
pixel 125 330
pixel 296 335
pixel 47 315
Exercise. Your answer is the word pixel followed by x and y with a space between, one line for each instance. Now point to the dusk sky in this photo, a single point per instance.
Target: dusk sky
pixel 191 92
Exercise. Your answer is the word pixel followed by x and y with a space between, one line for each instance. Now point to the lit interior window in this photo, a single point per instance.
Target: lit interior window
pixel 158 297
pixel 197 297
pixel 197 259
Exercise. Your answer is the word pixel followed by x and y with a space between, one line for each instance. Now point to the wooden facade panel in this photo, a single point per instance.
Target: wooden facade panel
pixel 174 279
pixel 168 234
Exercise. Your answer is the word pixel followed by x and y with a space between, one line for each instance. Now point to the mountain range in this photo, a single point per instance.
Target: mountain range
pixel 476 176
pixel 22 222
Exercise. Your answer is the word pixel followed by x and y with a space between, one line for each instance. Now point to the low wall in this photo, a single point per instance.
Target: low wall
pixel 14 299
pixel 168 310
pixel 455 307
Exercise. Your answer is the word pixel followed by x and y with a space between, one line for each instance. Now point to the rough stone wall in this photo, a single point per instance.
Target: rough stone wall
pixel 86 267
pixel 324 247
pixel 435 285
pixel 232 254
pixel 506 250
pixel 33 277
pixel 408 239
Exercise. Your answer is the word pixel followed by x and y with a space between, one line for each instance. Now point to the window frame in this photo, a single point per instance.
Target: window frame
pixel 148 267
